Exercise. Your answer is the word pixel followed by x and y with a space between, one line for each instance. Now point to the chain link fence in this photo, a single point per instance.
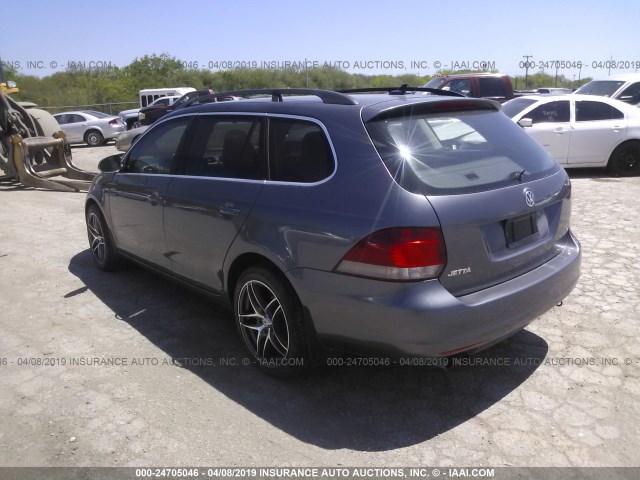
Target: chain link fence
pixel 112 108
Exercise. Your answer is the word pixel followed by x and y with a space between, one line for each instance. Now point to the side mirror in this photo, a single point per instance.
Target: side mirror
pixel 110 164
pixel 525 122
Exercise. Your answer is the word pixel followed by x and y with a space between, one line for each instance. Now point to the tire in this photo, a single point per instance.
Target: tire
pixel 625 160
pixel 93 138
pixel 270 319
pixel 101 243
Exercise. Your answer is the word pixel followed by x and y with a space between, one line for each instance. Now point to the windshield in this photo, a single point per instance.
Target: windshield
pixel 515 106
pixel 457 152
pixel 605 88
pixel 435 82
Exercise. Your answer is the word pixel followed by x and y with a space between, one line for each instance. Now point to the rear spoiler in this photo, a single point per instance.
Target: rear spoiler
pixel 432 107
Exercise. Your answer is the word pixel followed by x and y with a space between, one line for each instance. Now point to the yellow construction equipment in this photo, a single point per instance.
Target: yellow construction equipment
pixel 33 149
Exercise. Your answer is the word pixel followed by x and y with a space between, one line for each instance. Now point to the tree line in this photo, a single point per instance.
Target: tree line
pixel 118 85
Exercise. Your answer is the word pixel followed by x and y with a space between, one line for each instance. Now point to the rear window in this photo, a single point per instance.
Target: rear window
pixel 491 87
pixel 97 114
pixel 457 152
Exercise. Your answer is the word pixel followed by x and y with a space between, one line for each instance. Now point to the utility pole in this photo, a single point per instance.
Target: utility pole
pixel 579 73
pixel 526 71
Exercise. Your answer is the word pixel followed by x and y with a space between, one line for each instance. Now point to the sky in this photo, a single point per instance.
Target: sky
pixel 370 37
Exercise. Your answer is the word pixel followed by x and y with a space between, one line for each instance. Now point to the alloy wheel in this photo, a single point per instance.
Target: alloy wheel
pixel 263 321
pixel 96 237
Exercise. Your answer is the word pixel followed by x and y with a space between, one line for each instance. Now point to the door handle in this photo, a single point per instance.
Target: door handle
pixel 560 131
pixel 229 210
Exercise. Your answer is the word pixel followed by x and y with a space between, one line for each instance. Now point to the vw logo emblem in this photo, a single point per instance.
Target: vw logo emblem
pixel 528 197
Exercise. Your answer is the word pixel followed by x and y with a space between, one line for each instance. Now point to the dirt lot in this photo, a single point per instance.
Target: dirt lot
pixel 112 369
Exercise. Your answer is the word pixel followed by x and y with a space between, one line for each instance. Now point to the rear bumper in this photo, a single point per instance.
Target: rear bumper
pixel 423 318
pixel 113 132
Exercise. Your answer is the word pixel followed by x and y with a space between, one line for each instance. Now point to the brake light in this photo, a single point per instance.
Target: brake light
pixel 113 122
pixel 416 253
pixel 462 105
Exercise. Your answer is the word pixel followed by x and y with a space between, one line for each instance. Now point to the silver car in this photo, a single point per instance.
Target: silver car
pixel 126 139
pixel 90 127
pixel 394 224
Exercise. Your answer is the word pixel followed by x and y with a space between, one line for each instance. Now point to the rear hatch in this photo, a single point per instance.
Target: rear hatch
pixel 503 203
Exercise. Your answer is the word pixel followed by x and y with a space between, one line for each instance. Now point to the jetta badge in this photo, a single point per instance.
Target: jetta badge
pixel 528 197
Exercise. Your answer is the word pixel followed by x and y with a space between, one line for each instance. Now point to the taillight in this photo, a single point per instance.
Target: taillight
pixel 113 122
pixel 416 253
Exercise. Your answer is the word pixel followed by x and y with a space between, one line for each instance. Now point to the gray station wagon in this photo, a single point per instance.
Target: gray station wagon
pixel 390 223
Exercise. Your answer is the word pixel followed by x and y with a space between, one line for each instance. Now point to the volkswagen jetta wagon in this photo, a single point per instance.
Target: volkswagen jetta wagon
pixel 388 223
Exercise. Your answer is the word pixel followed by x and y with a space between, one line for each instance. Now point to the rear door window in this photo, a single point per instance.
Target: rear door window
pixel 298 151
pixel 587 111
pixel 226 146
pixel 456 152
pixel 74 118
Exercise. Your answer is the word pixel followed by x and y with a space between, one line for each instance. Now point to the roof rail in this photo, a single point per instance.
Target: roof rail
pixel 327 96
pixel 403 89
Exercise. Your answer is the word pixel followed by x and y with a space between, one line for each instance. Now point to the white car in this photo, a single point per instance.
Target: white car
pixel 625 87
pixel 89 126
pixel 582 130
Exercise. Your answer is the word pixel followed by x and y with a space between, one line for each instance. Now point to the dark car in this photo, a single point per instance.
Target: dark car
pixel 150 114
pixel 396 224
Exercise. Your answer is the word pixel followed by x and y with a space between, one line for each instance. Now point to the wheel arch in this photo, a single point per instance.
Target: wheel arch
pixel 245 261
pixel 623 143
pixel 251 259
pixel 90 130
pixel 91 200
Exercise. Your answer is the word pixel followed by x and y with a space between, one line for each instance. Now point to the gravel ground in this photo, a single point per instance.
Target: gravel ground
pixel 564 392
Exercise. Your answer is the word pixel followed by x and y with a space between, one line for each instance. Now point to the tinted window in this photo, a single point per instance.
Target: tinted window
pixel 458 152
pixel 491 87
pixel 60 118
pixel 590 111
pixel 155 152
pixel 74 118
pixel 298 151
pixel 550 112
pixel 226 146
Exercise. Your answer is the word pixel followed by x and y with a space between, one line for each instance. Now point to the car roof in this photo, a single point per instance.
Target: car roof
pixel 313 106
pixel 465 75
pixel 73 112
pixel 627 77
